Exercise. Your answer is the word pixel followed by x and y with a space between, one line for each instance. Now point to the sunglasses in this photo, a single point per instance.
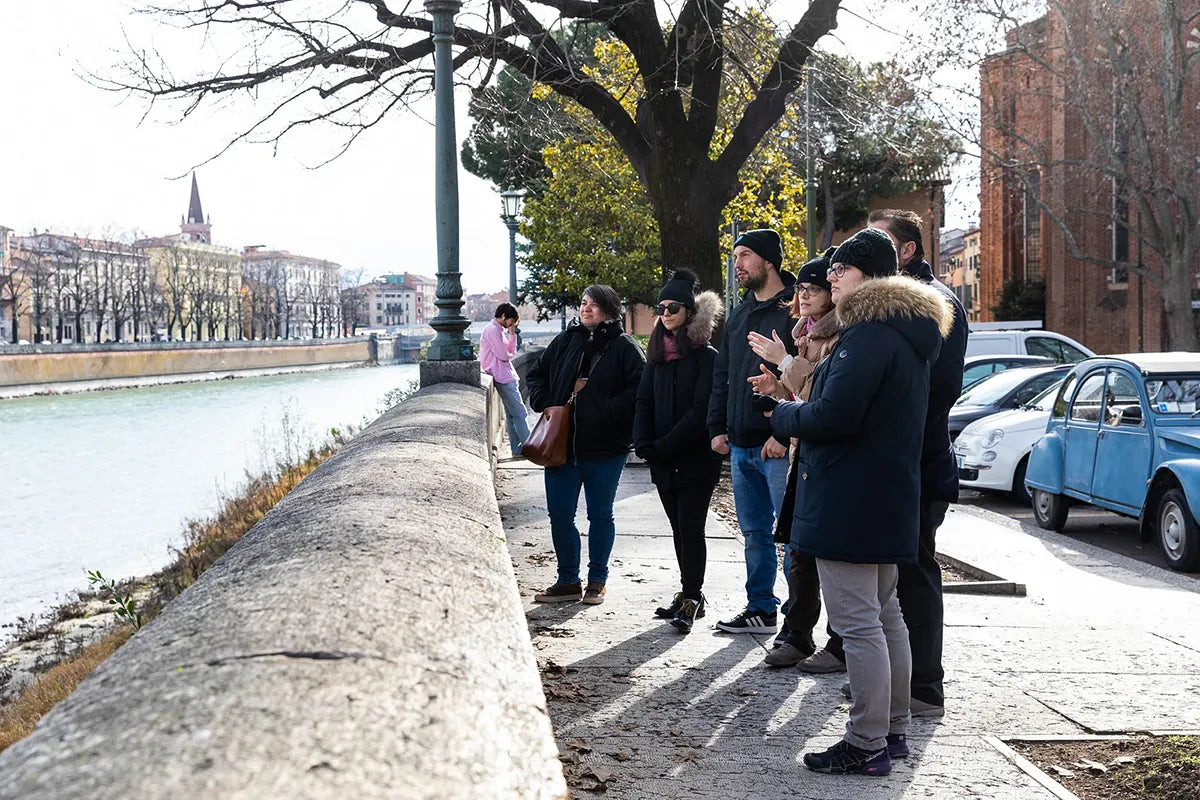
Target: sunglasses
pixel 838 270
pixel 669 308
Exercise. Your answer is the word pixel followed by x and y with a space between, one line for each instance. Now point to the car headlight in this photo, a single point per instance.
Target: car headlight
pixel 993 438
pixel 989 456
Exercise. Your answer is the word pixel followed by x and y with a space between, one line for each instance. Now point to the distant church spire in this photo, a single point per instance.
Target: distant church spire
pixel 195 212
pixel 197 228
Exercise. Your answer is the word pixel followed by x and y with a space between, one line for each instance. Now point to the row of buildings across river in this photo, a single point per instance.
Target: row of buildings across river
pixel 64 289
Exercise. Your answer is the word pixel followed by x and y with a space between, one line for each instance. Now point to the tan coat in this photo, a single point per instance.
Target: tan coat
pixel 797 377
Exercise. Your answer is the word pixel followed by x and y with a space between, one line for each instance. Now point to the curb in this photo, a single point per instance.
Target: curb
pixel 1031 769
pixel 987 583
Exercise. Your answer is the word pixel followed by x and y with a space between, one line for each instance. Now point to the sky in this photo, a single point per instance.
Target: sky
pixel 79 160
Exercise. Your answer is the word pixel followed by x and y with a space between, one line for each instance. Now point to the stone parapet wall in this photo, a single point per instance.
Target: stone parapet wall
pixel 365 639
pixel 38 364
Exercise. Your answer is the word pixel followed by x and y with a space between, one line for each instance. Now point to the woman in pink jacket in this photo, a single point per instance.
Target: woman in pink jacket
pixel 497 346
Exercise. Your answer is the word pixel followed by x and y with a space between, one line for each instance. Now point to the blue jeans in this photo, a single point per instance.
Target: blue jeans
pixel 598 477
pixel 514 414
pixel 758 487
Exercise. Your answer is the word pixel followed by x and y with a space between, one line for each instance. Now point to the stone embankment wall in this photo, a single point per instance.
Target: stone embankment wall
pixel 39 364
pixel 366 639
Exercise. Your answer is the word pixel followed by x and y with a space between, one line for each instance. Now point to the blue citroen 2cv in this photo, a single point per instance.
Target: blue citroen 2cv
pixel 1124 435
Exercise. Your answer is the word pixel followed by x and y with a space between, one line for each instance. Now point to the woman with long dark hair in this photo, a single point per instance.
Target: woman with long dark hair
pixel 670 434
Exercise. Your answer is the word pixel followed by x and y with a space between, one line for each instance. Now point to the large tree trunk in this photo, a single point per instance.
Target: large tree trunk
pixel 693 241
pixel 687 205
pixel 1177 305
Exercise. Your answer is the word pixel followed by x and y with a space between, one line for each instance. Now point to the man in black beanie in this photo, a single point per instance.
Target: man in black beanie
pixel 758 461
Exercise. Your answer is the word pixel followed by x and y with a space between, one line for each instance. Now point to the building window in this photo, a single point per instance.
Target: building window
pixel 1033 227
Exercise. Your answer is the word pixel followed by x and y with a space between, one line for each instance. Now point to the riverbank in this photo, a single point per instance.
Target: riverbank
pixel 47 364
pixel 47 657
pixel 74 387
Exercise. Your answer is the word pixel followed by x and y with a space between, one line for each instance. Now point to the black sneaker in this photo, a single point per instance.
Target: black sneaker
pixel 666 612
pixel 845 759
pixel 689 611
pixel 749 621
pixel 560 593
pixel 897 745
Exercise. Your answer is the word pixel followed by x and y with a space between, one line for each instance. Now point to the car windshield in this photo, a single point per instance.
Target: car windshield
pixel 1173 395
pixel 992 390
pixel 1045 400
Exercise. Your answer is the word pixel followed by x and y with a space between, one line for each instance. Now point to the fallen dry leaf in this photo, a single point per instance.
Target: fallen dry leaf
pixel 1092 766
pixel 580 744
pixel 748 692
pixel 1061 772
pixel 599 773
pixel 688 754
pixel 622 754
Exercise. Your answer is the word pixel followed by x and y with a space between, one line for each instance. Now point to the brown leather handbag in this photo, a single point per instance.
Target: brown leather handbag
pixel 547 442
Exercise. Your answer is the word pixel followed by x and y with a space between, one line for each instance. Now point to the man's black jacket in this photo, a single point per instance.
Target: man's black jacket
pixel 729 409
pixel 939 470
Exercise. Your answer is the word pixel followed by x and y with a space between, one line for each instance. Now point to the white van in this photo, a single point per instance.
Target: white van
pixel 1054 346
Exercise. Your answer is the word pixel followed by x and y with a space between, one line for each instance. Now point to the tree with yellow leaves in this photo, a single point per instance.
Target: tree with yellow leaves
pixel 595 221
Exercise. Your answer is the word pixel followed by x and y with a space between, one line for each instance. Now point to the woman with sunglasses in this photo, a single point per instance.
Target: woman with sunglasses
pixel 670 434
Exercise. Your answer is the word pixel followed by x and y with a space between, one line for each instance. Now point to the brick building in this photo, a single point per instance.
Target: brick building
pixel 1060 127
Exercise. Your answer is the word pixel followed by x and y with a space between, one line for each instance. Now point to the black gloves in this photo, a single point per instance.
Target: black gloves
pixel 763 403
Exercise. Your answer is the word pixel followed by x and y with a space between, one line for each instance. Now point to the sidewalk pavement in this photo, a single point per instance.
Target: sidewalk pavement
pixel 1101 644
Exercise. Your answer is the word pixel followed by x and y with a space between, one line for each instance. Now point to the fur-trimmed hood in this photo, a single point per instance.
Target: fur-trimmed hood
pixel 709 309
pixel 918 312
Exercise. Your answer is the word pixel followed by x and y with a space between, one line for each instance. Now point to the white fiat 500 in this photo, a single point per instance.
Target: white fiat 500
pixel 993 452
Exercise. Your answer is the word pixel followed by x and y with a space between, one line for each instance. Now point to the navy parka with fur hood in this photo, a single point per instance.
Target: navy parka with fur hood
pixel 862 431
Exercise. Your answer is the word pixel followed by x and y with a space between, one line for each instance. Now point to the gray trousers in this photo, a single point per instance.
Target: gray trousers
pixel 860 600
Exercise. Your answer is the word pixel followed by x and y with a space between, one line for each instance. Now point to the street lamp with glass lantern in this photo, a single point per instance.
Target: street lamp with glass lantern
pixel 511 201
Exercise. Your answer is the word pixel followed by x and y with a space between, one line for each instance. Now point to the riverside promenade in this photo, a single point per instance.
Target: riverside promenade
pixel 1101 644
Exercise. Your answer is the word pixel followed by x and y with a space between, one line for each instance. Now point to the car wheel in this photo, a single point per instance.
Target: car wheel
pixel 1050 510
pixel 1020 492
pixel 1177 533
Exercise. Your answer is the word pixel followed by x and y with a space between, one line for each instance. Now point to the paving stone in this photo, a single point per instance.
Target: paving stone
pixel 1100 642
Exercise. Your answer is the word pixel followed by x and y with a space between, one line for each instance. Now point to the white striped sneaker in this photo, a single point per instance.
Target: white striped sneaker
pixel 749 621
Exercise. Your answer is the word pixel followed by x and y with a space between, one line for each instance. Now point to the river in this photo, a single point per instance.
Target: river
pixel 105 480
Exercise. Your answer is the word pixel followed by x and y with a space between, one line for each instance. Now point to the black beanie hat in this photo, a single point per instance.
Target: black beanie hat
pixel 816 271
pixel 871 251
pixel 681 288
pixel 765 242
